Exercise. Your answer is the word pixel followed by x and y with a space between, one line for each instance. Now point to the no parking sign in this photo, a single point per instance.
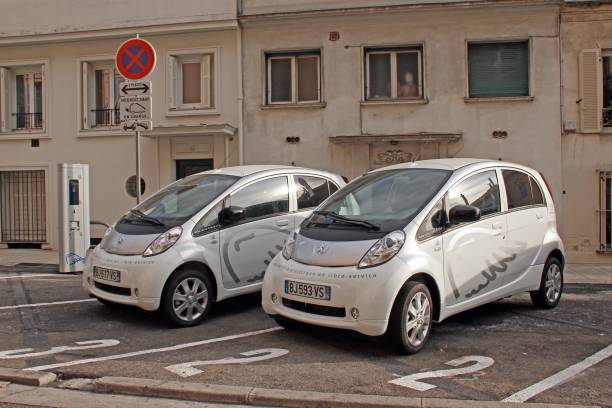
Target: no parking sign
pixel 135 59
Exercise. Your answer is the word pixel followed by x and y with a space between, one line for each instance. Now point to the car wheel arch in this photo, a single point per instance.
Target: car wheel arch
pixel 556 253
pixel 429 281
pixel 199 266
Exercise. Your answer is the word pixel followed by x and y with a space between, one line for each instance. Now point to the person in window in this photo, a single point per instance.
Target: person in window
pixel 407 88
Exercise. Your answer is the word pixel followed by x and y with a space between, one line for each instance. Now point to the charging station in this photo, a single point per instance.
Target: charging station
pixel 73 216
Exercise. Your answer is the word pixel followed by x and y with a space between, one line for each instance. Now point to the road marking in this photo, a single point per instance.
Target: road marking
pixel 80 345
pixel 153 351
pixel 412 381
pixel 188 369
pixel 559 378
pixel 38 275
pixel 63 302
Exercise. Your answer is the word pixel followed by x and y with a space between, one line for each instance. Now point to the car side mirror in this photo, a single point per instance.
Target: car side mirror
pixel 438 219
pixel 231 215
pixel 463 213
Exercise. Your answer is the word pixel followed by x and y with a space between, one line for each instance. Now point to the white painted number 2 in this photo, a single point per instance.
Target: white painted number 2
pixel 80 345
pixel 189 369
pixel 413 380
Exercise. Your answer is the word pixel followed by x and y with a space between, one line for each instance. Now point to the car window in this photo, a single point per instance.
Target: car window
pixel 432 225
pixel 311 191
pixel 521 189
pixel 263 198
pixel 480 190
pixel 209 222
pixel 332 188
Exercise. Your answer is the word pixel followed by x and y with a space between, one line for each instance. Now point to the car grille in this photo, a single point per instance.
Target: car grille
pixel 314 309
pixel 113 289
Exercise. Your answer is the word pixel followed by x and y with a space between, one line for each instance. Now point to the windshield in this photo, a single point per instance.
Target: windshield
pixel 387 199
pixel 181 200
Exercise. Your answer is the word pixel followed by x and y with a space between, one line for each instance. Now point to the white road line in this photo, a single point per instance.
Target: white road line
pixel 153 351
pixel 38 275
pixel 63 302
pixel 559 378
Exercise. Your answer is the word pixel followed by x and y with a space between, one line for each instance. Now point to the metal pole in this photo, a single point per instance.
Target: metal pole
pixel 138 191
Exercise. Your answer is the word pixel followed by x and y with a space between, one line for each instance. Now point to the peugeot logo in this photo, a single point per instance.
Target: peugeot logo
pixel 321 249
pixel 120 241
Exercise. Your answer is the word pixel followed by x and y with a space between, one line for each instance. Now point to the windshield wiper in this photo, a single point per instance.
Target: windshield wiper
pixel 144 217
pixel 350 221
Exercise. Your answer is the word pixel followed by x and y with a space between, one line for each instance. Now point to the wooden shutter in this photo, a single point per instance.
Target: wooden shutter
pixel 591 88
pixel 4 100
pixel 172 81
pixel 85 95
pixel 206 82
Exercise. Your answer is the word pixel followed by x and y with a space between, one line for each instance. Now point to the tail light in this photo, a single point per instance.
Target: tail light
pixel 547 185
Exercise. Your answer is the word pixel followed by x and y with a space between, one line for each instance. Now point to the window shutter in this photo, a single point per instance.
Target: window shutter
pixel 4 100
pixel 85 95
pixel 206 83
pixel 591 88
pixel 498 69
pixel 43 113
pixel 172 81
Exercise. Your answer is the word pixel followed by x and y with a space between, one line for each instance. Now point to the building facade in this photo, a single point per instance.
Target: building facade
pixel 586 66
pixel 59 103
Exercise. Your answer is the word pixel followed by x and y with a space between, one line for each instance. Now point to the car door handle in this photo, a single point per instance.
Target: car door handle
pixel 437 246
pixel 282 223
pixel 539 216
pixel 498 227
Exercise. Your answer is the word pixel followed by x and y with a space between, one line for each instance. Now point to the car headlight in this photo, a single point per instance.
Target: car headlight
pixel 163 242
pixel 105 236
pixel 290 245
pixel 383 250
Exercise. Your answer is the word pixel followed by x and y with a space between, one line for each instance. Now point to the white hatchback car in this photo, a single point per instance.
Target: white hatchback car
pixel 204 238
pixel 407 245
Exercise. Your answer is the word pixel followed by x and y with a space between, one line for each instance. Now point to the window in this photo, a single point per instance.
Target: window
pixel 311 191
pixel 394 73
pixel 22 97
pixel 605 210
pixel 191 82
pixel 433 224
pixel 480 190
pixel 498 69
pixel 101 84
pixel 521 189
pixel 607 88
pixel 264 198
pixel 208 223
pixel 294 77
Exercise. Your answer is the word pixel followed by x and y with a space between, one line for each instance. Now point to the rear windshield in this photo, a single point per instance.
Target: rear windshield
pixel 388 199
pixel 179 201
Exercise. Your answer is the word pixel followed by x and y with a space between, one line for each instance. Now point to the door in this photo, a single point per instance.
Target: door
pixel 188 167
pixel 247 248
pixel 527 221
pixel 475 253
pixel 206 235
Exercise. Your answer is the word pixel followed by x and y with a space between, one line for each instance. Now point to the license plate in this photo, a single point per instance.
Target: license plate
pixel 106 274
pixel 308 290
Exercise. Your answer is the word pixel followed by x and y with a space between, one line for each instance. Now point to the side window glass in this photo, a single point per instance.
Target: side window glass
pixel 311 191
pixel 536 192
pixel 332 188
pixel 480 190
pixel 210 222
pixel 434 222
pixel 518 188
pixel 263 198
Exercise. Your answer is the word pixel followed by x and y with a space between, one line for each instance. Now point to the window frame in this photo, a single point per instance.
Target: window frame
pixel 93 64
pixel 531 179
pixel 293 56
pixel 530 69
pixel 604 245
pixel 295 186
pixel 419 49
pixel 605 53
pixel 11 69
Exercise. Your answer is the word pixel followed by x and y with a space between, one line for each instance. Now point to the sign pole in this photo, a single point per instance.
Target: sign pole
pixel 138 189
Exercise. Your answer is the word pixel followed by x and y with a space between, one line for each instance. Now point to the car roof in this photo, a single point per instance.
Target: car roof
pixel 444 164
pixel 265 169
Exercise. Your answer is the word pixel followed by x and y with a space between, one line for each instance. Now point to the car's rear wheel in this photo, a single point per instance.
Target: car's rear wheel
pixel 551 285
pixel 187 298
pixel 411 318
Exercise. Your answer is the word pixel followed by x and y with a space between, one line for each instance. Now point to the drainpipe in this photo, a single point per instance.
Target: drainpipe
pixel 240 82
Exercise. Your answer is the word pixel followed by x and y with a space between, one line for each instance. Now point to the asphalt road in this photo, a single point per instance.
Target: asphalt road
pixel 506 346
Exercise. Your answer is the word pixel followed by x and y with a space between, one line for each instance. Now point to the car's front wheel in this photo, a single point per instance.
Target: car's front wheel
pixel 187 298
pixel 551 285
pixel 412 318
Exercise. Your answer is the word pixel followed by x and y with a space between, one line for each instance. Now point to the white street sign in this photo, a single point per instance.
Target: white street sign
pixel 138 125
pixel 135 107
pixel 136 88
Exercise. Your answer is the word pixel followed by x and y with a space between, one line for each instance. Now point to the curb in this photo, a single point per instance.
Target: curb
pixel 283 398
pixel 26 377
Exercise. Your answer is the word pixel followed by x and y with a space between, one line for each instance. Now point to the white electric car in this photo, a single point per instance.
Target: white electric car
pixel 407 245
pixel 204 238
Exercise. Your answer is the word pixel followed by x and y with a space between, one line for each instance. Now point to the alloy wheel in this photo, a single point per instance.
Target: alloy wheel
pixel 418 320
pixel 190 299
pixel 553 283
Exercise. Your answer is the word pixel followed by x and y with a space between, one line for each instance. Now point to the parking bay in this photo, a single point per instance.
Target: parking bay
pixel 506 346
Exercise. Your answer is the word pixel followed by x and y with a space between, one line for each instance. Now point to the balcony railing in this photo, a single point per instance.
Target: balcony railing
pixel 30 120
pixel 105 117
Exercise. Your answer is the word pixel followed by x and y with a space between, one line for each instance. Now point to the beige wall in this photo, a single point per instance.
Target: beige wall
pixel 533 126
pixel 583 27
pixel 110 154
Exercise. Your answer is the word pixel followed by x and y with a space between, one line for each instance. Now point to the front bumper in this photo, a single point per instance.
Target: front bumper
pixel 142 279
pixel 371 291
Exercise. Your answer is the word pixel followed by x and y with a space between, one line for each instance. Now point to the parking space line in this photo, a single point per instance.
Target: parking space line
pixel 38 275
pixel 559 378
pixel 63 302
pixel 153 351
